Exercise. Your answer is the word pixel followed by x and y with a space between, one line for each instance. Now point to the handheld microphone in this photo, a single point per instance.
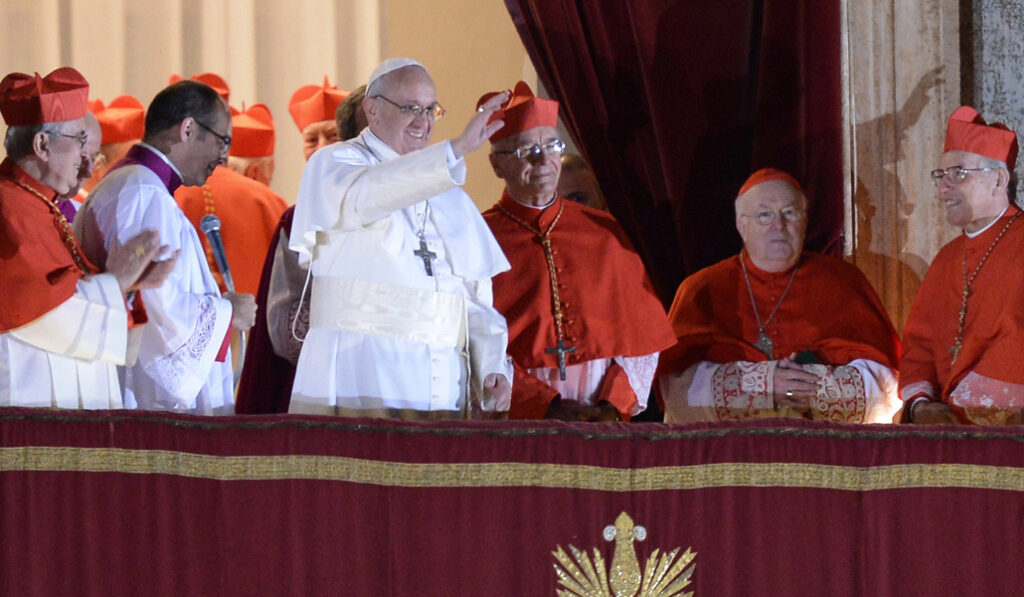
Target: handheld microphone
pixel 210 226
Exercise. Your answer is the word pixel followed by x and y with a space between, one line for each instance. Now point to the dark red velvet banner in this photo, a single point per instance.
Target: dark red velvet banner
pixel 130 503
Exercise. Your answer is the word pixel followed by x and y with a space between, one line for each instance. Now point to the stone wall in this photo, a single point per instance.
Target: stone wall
pixel 998 40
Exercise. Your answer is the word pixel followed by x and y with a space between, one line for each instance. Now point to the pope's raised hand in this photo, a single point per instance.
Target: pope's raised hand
pixel 478 131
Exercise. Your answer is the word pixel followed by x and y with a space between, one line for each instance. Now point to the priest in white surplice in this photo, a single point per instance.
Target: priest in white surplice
pixel 184 363
pixel 63 324
pixel 401 321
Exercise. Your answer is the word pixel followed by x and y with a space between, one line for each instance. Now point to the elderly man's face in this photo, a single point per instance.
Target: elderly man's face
pixel 774 244
pixel 533 179
pixel 92 152
pixel 974 202
pixel 317 135
pixel 206 149
pixel 404 133
pixel 64 156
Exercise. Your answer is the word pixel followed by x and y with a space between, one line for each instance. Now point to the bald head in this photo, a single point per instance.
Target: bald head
pixel 771 217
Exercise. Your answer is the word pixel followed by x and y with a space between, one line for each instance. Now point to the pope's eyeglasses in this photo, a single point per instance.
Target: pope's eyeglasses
pixel 432 112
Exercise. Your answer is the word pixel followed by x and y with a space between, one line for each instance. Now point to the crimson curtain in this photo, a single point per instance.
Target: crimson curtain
pixel 674 103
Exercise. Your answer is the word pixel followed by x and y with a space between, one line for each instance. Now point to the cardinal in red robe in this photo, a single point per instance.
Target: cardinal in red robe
pixel 585 326
pixel 777 331
pixel 965 335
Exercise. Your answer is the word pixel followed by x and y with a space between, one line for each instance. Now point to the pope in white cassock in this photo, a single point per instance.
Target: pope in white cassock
pixel 184 363
pixel 401 321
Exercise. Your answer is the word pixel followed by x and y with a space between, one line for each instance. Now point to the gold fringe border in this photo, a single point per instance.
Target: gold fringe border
pixel 509 474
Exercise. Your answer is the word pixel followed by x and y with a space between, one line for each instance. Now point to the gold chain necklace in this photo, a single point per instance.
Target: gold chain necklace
pixel 60 222
pixel 560 348
pixel 958 341
pixel 764 342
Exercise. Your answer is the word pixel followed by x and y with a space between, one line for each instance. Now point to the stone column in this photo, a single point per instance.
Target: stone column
pixel 901 74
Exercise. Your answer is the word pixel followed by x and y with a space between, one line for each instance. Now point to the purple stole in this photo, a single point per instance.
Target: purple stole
pixel 143 156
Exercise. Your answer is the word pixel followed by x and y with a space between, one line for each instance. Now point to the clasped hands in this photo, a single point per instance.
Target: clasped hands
pixel 793 385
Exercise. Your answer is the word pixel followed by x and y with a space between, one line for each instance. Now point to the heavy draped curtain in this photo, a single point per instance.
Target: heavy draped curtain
pixel 674 103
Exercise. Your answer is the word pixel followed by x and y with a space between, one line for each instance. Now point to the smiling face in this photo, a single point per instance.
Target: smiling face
pixel 64 154
pixel 205 150
pixel 404 133
pixel 532 180
pixel 979 199
pixel 92 152
pixel 776 246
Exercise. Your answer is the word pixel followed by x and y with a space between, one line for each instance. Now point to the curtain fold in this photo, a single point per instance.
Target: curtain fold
pixel 675 103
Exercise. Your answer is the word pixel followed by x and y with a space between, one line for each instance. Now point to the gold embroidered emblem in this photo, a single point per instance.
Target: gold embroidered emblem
pixel 663 576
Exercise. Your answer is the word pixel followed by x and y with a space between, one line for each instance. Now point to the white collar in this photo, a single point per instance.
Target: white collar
pixel 987 226
pixel 163 157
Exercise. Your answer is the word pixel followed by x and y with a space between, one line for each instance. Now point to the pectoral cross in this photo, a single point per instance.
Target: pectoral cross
pixel 427 256
pixel 561 350
pixel 955 349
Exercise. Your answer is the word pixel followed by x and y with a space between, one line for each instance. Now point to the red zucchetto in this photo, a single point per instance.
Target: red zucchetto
pixel 253 132
pixel 766 174
pixel 522 112
pixel 27 100
pixel 967 131
pixel 123 120
pixel 215 82
pixel 315 103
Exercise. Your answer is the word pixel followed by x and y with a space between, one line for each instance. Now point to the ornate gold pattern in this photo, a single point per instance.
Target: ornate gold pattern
pixel 663 576
pixel 511 474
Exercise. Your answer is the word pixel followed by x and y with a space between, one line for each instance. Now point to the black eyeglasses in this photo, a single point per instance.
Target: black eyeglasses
pixel 224 139
pixel 533 151
pixel 80 137
pixel 433 112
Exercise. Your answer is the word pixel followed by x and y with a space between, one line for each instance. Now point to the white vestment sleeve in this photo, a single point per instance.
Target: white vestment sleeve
pixel 92 325
pixel 881 388
pixel 188 319
pixel 640 372
pixel 488 342
pixel 351 194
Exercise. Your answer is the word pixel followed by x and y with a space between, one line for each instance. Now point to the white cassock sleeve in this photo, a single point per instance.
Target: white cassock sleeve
pixel 92 325
pixel 862 391
pixel 488 339
pixel 66 358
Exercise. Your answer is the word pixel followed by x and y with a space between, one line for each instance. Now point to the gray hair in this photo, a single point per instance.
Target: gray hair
pixel 18 141
pixel 1011 186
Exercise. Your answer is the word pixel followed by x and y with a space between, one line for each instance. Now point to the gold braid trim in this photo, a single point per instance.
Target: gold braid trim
pixel 510 474
pixel 545 241
pixel 63 228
